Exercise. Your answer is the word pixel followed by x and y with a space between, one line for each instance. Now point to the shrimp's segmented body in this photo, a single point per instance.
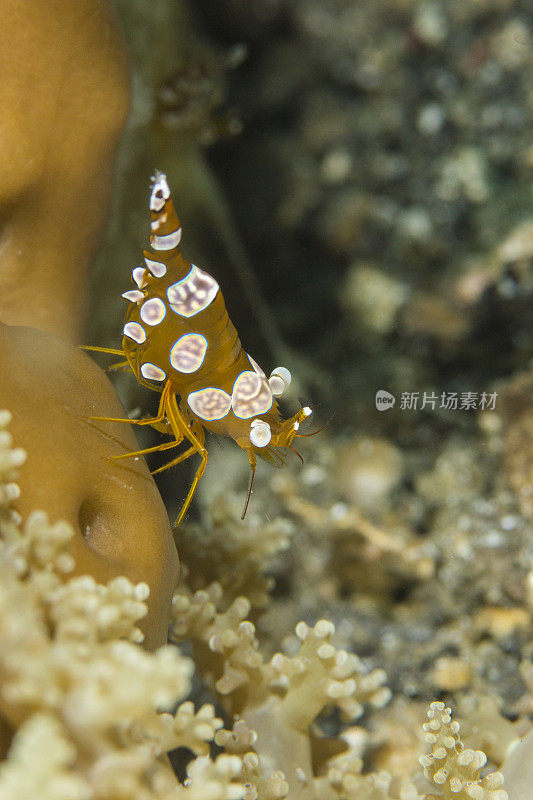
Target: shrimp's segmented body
pixel 179 340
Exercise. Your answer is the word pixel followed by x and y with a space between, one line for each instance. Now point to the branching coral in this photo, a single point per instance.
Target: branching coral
pixel 344 781
pixel 44 743
pixel 451 767
pixel 83 698
pixel 90 709
pixel 278 699
pixel 320 675
pixel 69 474
pixel 233 552
pixel 77 686
pixel 186 728
pixel 241 740
pixel 10 460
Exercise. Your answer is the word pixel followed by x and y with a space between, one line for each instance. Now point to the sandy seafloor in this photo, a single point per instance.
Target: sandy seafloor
pixel 358 177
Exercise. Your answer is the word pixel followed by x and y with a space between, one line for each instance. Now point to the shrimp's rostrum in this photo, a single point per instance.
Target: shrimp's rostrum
pixel 179 340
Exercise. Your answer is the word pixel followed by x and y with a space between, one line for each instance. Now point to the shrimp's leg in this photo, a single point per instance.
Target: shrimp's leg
pixel 160 416
pixel 118 365
pixel 179 425
pixel 157 448
pixel 145 421
pixel 111 350
pixel 183 457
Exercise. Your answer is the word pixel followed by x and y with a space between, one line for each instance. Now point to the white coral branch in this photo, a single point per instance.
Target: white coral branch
pixel 322 675
pixel 452 768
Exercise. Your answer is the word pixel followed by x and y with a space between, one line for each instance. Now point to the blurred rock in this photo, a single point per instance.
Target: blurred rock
pixel 369 469
pixel 373 297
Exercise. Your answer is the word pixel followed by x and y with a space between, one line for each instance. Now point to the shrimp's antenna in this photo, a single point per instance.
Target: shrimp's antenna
pixel 306 435
pixel 294 450
pixel 252 473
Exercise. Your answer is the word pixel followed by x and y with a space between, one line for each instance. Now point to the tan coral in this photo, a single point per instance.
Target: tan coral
pixel 52 388
pixel 77 688
pixel 42 742
pixel 233 552
pixel 344 780
pixel 186 728
pixel 485 727
pixel 240 739
pixel 279 699
pixel 452 769
pixel 321 675
pixel 259 782
pixel 11 458
pixel 214 780
pixel 64 95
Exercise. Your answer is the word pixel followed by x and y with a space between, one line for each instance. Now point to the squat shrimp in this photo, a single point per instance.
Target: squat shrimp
pixel 179 340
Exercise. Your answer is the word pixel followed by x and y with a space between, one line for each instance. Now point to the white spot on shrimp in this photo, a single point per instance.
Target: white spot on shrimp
pixel 135 331
pixel 153 311
pixel 156 267
pixel 251 395
pixel 138 276
pixel 279 380
pixel 167 242
pixel 283 373
pixel 277 385
pixel 152 373
pixel 160 192
pixel 188 352
pixel 184 295
pixel 133 296
pixel 210 404
pixel 260 433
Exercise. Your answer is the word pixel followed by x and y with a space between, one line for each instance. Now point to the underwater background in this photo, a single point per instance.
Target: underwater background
pixel 358 178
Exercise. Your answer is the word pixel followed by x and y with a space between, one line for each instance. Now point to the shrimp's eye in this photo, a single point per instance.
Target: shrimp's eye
pixel 279 380
pixel 260 434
